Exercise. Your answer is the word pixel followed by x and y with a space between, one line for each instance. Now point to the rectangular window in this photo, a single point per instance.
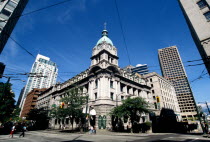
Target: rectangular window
pixel 111 84
pixel 112 96
pixel 207 15
pixel 96 83
pixel 150 79
pixel 122 97
pixel 128 88
pixel 121 87
pixel 6 12
pixel 95 96
pixel 202 4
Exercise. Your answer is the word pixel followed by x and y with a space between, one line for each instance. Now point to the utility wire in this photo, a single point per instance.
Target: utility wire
pixel 193 60
pixel 61 78
pixel 22 47
pixel 40 9
pixel 120 21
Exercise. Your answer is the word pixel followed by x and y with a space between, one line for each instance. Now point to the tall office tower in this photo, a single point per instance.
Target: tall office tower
pixel 43 75
pixel 197 15
pixel 10 11
pixel 173 70
pixel 141 69
pixel 20 96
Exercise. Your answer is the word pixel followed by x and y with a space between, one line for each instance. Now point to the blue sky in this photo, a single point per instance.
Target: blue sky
pixel 67 33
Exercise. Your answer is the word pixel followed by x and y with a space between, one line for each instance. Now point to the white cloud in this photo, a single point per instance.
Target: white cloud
pixel 68 15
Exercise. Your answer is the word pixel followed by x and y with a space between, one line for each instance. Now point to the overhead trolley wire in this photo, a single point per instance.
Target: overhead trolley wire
pixel 120 21
pixel 21 46
pixel 37 10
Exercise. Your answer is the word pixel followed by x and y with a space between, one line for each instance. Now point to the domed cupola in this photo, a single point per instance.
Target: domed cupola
pixel 104 38
pixel 104 52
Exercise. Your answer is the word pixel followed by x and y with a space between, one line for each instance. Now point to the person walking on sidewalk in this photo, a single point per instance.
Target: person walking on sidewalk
pixel 23 129
pixel 12 131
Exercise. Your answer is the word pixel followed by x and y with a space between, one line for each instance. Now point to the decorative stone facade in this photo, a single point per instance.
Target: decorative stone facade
pixel 164 95
pixel 105 83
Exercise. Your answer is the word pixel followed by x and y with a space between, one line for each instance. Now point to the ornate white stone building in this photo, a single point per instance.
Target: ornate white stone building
pixel 105 83
pixel 163 91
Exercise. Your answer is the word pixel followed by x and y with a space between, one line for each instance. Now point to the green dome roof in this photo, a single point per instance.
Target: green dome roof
pixel 104 38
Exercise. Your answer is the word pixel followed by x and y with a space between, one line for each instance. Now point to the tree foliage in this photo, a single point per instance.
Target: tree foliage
pixel 39 118
pixel 131 108
pixel 73 103
pixel 7 102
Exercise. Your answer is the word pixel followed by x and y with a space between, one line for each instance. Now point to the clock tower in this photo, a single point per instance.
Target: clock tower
pixel 104 52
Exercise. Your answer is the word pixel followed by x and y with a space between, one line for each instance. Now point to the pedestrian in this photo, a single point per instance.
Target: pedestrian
pixel 12 131
pixel 23 129
pixel 91 130
pixel 94 130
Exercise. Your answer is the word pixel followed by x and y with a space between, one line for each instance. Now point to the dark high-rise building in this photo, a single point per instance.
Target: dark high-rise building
pixel 173 70
pixel 10 11
pixel 20 96
pixel 197 15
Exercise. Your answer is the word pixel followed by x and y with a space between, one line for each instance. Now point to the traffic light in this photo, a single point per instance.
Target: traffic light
pixel 62 105
pixel 158 99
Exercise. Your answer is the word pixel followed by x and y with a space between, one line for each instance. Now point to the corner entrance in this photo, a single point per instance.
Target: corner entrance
pixel 102 122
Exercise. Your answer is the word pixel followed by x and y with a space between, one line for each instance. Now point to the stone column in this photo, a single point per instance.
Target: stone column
pixel 125 90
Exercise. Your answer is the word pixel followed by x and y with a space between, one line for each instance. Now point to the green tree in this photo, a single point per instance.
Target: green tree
pixel 39 117
pixel 15 114
pixel 73 103
pixel 131 108
pixel 7 102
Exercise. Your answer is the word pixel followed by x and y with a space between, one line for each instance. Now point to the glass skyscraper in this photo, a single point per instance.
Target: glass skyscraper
pixel 140 68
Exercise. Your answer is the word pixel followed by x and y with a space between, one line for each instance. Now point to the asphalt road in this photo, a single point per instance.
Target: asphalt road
pixel 42 136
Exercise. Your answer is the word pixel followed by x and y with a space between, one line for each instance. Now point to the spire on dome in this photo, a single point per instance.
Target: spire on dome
pixel 104 37
pixel 105 32
pixel 105 26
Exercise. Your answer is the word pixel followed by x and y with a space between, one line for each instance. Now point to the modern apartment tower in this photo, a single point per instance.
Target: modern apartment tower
pixel 173 70
pixel 10 11
pixel 43 75
pixel 141 69
pixel 197 15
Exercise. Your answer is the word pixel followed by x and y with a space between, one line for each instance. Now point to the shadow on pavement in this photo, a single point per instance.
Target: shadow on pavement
pixel 187 140
pixel 77 141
